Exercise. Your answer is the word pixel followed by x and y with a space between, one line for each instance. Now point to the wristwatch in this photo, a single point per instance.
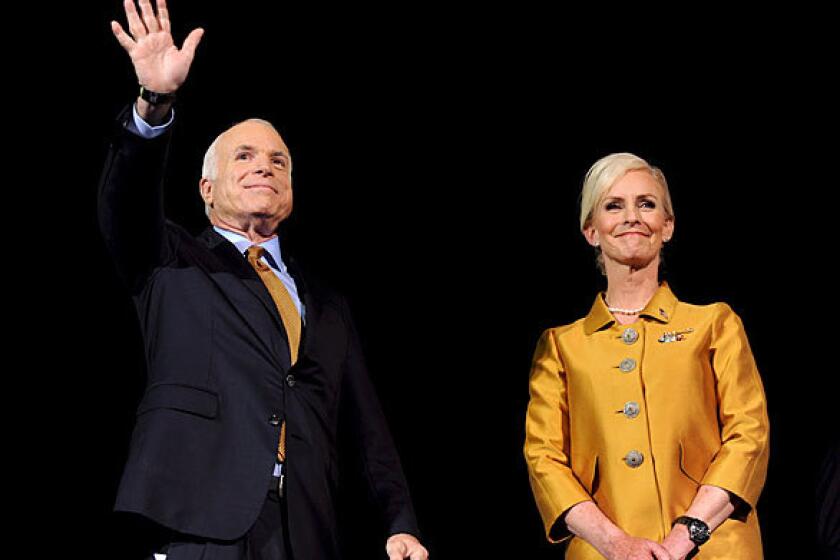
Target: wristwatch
pixel 156 98
pixel 698 531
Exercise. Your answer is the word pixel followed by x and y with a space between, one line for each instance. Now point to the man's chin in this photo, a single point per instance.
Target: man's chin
pixel 268 215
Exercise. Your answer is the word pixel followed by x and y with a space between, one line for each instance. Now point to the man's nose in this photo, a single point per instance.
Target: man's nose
pixel 263 166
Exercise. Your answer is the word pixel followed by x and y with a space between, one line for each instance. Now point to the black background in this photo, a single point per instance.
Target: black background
pixel 438 160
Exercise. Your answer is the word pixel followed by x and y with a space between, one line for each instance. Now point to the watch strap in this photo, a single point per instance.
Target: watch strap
pixel 155 98
pixel 698 530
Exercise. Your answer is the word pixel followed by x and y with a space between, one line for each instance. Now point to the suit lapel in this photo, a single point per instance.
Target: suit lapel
pixel 239 267
pixel 311 307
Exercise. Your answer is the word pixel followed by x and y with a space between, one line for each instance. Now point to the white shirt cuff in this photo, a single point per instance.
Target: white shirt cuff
pixel 143 129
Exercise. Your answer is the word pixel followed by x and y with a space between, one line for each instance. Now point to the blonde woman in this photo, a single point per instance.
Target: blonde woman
pixel 646 430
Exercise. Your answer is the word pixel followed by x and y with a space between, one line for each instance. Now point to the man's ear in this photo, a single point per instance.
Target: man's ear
pixel 205 187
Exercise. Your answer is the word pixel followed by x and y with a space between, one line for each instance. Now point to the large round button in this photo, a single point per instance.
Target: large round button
pixel 634 459
pixel 631 409
pixel 290 380
pixel 627 365
pixel 274 420
pixel 630 335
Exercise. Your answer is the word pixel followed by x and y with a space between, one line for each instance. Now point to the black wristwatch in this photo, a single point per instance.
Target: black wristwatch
pixel 156 98
pixel 698 531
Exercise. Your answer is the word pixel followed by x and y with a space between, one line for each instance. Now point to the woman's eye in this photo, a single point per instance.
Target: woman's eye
pixel 647 204
pixel 613 206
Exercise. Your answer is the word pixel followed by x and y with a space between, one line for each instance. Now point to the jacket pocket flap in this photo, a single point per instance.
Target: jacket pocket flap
pixel 185 398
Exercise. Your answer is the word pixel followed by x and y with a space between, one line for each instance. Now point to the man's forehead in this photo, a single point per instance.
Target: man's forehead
pixel 254 134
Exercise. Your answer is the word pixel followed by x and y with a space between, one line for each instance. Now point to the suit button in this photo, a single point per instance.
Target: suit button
pixel 627 365
pixel 629 336
pixel 290 380
pixel 634 459
pixel 631 409
pixel 274 420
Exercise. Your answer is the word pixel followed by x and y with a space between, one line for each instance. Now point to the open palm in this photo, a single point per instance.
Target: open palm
pixel 160 66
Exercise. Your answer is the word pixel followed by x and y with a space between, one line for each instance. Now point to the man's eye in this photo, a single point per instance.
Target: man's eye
pixel 280 162
pixel 242 155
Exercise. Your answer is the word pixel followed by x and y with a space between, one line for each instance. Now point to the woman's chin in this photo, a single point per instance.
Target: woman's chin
pixel 635 261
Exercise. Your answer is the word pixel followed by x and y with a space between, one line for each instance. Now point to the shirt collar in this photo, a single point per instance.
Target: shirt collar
pixel 660 308
pixel 271 246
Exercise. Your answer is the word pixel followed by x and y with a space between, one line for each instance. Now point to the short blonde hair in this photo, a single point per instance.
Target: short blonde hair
pixel 609 169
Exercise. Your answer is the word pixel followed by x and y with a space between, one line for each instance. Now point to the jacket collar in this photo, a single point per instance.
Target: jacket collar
pixel 235 262
pixel 242 243
pixel 660 308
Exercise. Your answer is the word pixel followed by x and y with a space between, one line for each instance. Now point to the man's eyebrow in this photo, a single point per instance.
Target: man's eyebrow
pixel 247 148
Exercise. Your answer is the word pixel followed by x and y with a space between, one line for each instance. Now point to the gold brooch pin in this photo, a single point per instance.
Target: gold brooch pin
pixel 675 336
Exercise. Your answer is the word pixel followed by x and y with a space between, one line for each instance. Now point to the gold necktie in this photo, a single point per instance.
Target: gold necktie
pixel 288 313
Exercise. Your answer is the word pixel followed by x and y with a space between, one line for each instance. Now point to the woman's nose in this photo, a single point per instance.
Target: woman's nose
pixel 631 214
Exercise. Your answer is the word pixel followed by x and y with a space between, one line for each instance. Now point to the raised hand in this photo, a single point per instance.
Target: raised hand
pixel 160 66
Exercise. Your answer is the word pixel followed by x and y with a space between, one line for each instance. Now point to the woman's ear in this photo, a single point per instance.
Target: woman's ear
pixel 591 235
pixel 668 230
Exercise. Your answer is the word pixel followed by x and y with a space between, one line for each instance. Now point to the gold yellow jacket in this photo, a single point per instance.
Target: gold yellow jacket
pixel 637 417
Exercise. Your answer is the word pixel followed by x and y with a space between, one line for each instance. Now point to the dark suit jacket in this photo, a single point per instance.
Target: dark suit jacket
pixel 219 377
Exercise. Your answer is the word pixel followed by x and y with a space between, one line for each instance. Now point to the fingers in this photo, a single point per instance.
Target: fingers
pixel 402 545
pixel 419 553
pixel 145 22
pixel 122 37
pixel 191 42
pixel 135 24
pixel 396 551
pixel 149 17
pixel 163 16
pixel 659 551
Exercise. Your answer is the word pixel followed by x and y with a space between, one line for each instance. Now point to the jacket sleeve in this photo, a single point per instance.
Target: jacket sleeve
pixel 130 203
pixel 371 439
pixel 555 487
pixel 740 465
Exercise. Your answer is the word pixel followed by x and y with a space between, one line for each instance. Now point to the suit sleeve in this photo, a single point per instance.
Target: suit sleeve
pixel 380 463
pixel 555 487
pixel 130 203
pixel 740 465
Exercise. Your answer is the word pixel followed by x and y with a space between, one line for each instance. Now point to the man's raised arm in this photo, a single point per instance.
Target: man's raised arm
pixel 130 204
